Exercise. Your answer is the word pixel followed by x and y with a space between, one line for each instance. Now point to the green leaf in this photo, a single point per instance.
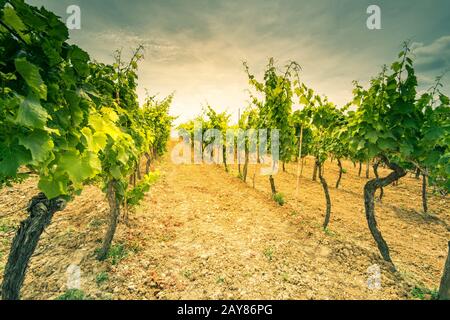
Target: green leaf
pixel 80 61
pixel 410 123
pixel 433 134
pixel 31 114
pixel 11 158
pixel 122 155
pixel 73 99
pixel 110 114
pixel 100 125
pixel 391 85
pixel 396 66
pixel 51 52
pixel 406 149
pixel 372 136
pixel 53 187
pixel 78 167
pixel 13 20
pixel 373 150
pixel 361 145
pixel 386 144
pixel 444 99
pixel 39 144
pixel 96 141
pixel 30 73
pixel 115 172
pixel 432 158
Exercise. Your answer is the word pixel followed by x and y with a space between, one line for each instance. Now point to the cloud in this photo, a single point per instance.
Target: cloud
pixel 196 48
pixel 434 57
pixel 156 49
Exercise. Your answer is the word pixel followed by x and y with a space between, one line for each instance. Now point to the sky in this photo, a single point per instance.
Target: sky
pixel 195 48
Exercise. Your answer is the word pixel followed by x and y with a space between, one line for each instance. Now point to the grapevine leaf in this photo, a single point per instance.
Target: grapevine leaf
pixel 12 19
pixel 30 73
pixel 32 114
pixel 99 125
pixel 361 145
pixel 433 134
pixel 39 144
pixel 52 186
pixel 373 150
pixel 79 167
pixel 386 144
pixel 122 155
pixel 80 60
pixel 372 136
pixel 115 172
pixel 96 141
pixel 73 99
pixel 11 158
pixel 396 66
pixel 444 99
pixel 406 149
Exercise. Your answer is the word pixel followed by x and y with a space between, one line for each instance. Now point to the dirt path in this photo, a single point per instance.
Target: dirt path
pixel 201 234
pixel 228 240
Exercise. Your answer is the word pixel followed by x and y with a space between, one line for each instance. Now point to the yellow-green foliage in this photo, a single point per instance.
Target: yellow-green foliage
pixel 135 195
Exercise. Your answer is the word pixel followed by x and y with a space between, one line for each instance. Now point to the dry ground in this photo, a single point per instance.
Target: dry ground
pixel 201 233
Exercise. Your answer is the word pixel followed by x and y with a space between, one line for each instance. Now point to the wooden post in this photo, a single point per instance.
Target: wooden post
pixel 298 161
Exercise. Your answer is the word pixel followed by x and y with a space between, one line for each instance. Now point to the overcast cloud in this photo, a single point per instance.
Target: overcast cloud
pixel 196 47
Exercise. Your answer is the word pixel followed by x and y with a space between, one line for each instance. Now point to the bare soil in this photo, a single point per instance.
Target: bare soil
pixel 202 233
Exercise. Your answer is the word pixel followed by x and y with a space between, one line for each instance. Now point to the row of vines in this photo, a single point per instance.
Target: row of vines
pixel 71 122
pixel 389 123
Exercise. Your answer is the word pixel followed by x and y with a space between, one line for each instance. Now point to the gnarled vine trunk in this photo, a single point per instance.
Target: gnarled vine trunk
pixel 133 179
pixel 340 173
pixel 138 170
pixel 245 170
pixel 299 159
pixel 238 156
pixel 375 172
pixel 367 169
pixel 147 163
pixel 272 185
pixel 369 192
pixel 424 193
pixel 314 177
pixel 25 242
pixel 224 156
pixel 137 174
pixel 327 196
pixel 417 174
pixel 444 288
pixel 360 169
pixel 114 213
